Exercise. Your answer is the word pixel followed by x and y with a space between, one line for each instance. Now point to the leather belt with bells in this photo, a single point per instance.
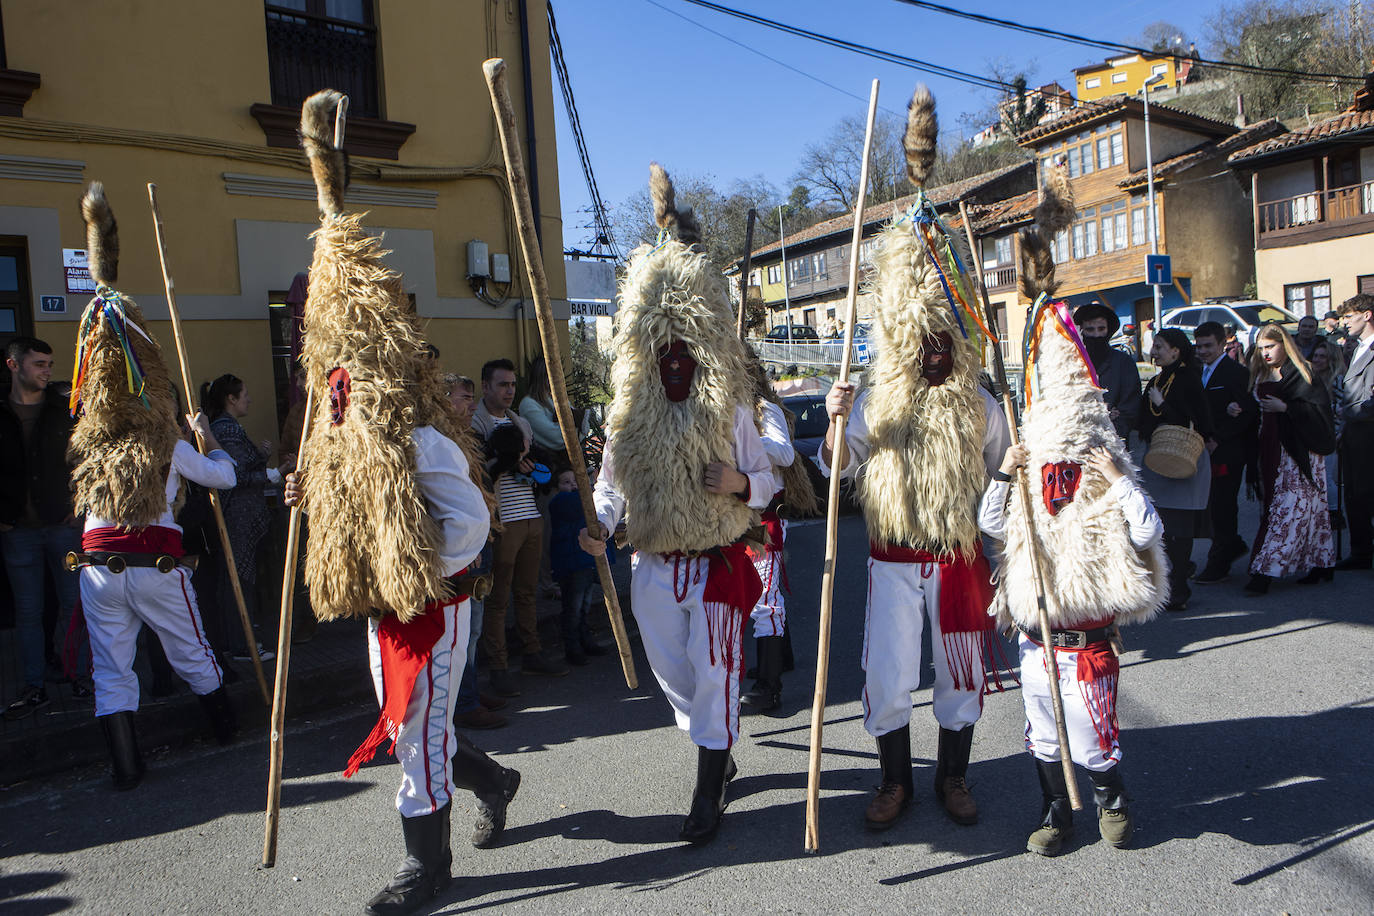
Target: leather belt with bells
pixel 118 562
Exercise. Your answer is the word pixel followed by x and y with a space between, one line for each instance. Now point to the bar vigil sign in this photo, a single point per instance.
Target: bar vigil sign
pixel 591 288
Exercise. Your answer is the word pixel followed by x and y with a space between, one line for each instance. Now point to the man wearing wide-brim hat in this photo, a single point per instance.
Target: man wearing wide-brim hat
pixel 1116 371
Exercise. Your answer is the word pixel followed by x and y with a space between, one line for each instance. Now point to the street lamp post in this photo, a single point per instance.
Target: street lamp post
pixel 1150 190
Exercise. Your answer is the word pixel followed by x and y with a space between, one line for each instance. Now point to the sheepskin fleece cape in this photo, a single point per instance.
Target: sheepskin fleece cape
pixel 921 484
pixel 660 448
pixel 372 547
pixel 1092 570
pixel 122 448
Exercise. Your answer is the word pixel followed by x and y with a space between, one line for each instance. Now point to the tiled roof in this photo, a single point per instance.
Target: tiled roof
pixel 1204 151
pixel 1120 104
pixel 1003 213
pixel 876 214
pixel 1347 122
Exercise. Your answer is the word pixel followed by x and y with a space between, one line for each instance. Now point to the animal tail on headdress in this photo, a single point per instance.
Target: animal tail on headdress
pixel 328 165
pixel 102 235
pixel 683 222
pixel 922 131
pixel 1053 215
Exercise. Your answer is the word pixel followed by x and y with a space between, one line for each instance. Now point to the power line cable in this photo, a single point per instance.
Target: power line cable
pixel 1122 47
pixel 603 222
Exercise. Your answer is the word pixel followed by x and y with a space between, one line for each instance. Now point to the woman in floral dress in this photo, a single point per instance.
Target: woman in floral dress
pixel 1296 430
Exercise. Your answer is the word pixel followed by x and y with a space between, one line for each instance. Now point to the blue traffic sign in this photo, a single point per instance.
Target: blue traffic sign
pixel 1158 270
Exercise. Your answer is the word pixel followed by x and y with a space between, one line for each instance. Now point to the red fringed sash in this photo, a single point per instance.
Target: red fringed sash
pixel 405 649
pixel 1098 670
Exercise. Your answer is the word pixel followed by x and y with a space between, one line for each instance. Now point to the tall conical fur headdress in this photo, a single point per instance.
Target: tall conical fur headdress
pixel 127 424
pixel 921 483
pixel 672 292
pixel 1091 568
pixel 372 546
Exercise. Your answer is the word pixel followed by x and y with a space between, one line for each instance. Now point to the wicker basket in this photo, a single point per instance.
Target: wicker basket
pixel 1174 451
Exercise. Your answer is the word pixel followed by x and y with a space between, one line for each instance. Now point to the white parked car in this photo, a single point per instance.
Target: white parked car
pixel 1246 314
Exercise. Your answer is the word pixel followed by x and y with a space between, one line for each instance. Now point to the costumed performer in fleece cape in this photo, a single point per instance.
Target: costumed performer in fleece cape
pixel 395 512
pixel 922 438
pixel 686 469
pixel 129 461
pixel 793 494
pixel 1099 543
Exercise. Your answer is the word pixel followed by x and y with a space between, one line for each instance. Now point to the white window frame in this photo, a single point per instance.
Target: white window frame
pixel 1092 82
pixel 1118 78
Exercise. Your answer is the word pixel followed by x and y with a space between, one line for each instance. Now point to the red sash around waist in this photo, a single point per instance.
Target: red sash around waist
pixel 965 585
pixel 154 540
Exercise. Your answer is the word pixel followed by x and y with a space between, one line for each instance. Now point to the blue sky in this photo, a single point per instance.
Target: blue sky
pixel 651 85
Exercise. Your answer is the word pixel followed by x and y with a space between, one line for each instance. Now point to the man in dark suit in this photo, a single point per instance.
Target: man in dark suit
pixel 1116 372
pixel 1226 384
pixel 1357 440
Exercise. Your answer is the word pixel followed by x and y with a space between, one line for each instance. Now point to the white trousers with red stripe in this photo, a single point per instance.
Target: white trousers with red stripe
pixel 902 598
pixel 770 614
pixel 117 605
pixel 1089 710
pixel 425 744
pixel 694 650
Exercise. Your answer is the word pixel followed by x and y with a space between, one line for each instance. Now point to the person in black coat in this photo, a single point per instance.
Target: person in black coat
pixel 1175 397
pixel 1116 371
pixel 1226 384
pixel 1296 431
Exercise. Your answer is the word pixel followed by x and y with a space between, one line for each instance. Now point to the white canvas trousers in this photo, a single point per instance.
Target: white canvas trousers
pixel 1089 709
pixel 694 649
pixel 425 743
pixel 770 614
pixel 902 598
pixel 117 605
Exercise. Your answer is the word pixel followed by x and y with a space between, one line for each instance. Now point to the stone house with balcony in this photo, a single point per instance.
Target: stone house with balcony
pixel 817 263
pixel 1202 210
pixel 1313 211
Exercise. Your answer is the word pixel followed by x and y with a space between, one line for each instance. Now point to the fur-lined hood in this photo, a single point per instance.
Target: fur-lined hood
pixel 672 292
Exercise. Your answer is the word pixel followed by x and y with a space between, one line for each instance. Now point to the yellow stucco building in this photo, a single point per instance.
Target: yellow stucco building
pixel 203 97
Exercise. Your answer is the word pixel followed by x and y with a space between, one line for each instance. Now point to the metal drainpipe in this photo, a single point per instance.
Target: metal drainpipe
pixel 526 72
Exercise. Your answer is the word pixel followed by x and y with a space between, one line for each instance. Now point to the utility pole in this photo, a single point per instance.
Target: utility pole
pixel 786 299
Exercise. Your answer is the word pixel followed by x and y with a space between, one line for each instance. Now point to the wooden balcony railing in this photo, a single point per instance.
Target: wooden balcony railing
pixel 1334 205
pixel 1000 278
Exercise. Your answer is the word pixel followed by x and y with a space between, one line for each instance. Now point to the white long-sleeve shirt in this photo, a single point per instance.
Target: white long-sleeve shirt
pixel 452 499
pixel 751 460
pixel 776 441
pixel 213 470
pixel 1145 525
pixel 996 438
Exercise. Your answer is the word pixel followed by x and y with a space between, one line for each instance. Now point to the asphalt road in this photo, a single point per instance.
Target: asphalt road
pixel 1247 729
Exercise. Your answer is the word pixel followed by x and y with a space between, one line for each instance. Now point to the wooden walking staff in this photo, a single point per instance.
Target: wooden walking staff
pixel 276 748
pixel 200 444
pixel 495 71
pixel 1023 489
pixel 832 510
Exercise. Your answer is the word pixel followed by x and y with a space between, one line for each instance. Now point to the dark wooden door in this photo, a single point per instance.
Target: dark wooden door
pixel 16 306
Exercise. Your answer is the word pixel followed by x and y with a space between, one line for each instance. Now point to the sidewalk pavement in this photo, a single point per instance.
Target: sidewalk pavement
pixel 328 672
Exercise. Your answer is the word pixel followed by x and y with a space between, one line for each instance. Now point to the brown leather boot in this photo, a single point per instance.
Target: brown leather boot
pixel 894 794
pixel 950 768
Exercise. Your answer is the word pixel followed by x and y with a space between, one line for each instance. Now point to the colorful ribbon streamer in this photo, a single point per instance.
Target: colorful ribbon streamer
pixel 109 305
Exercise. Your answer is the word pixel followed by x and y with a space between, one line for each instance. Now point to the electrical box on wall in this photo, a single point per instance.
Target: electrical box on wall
pixel 477 259
pixel 500 268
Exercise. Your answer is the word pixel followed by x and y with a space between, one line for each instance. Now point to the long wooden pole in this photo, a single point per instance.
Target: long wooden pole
pixel 495 71
pixel 1023 490
pixel 200 444
pixel 277 734
pixel 743 320
pixel 832 511
pixel 276 748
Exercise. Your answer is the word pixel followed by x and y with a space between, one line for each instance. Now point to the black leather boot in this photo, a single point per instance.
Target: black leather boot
pixel 1056 814
pixel 895 791
pixel 708 801
pixel 766 694
pixel 494 786
pixel 425 870
pixel 223 722
pixel 123 744
pixel 951 767
pixel 1113 813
